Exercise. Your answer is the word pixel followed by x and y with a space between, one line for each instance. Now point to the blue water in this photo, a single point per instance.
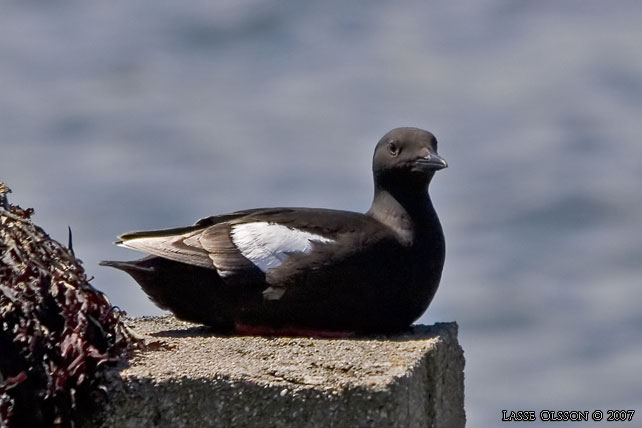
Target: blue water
pixel 121 115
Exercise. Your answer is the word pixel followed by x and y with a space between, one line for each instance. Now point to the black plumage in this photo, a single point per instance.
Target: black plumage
pixel 289 268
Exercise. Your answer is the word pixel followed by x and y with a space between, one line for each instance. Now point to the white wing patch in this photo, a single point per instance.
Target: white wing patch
pixel 268 244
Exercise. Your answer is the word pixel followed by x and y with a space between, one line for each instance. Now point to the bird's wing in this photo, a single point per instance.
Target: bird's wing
pixel 245 241
pixel 178 244
pixel 265 244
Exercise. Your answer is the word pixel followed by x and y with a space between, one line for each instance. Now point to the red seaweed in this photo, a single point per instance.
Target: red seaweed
pixel 57 332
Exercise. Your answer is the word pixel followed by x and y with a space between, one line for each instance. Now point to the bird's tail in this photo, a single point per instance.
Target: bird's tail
pixel 192 293
pixel 129 267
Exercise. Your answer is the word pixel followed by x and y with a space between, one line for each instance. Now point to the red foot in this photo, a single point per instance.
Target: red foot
pixel 263 330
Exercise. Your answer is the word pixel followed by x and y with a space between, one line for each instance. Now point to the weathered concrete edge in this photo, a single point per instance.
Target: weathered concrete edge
pixel 445 372
pixel 430 395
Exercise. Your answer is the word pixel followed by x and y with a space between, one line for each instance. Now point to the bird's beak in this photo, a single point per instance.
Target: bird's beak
pixel 432 162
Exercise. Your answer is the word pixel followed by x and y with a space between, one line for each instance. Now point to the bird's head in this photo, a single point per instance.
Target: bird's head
pixel 406 158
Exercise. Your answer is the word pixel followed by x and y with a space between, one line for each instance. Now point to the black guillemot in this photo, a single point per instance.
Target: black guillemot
pixel 303 270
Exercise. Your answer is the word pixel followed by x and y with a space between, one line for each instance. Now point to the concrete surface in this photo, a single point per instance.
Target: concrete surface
pixel 191 378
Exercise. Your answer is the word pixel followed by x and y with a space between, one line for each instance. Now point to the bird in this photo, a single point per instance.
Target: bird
pixel 307 271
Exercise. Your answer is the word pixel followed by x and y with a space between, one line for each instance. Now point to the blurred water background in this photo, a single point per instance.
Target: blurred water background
pixel 125 115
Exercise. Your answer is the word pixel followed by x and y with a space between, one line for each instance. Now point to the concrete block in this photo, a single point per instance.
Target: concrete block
pixel 191 378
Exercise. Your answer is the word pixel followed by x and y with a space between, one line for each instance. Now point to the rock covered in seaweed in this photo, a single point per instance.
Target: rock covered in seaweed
pixel 57 332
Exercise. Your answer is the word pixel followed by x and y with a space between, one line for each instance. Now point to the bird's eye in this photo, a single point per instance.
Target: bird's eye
pixel 393 149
